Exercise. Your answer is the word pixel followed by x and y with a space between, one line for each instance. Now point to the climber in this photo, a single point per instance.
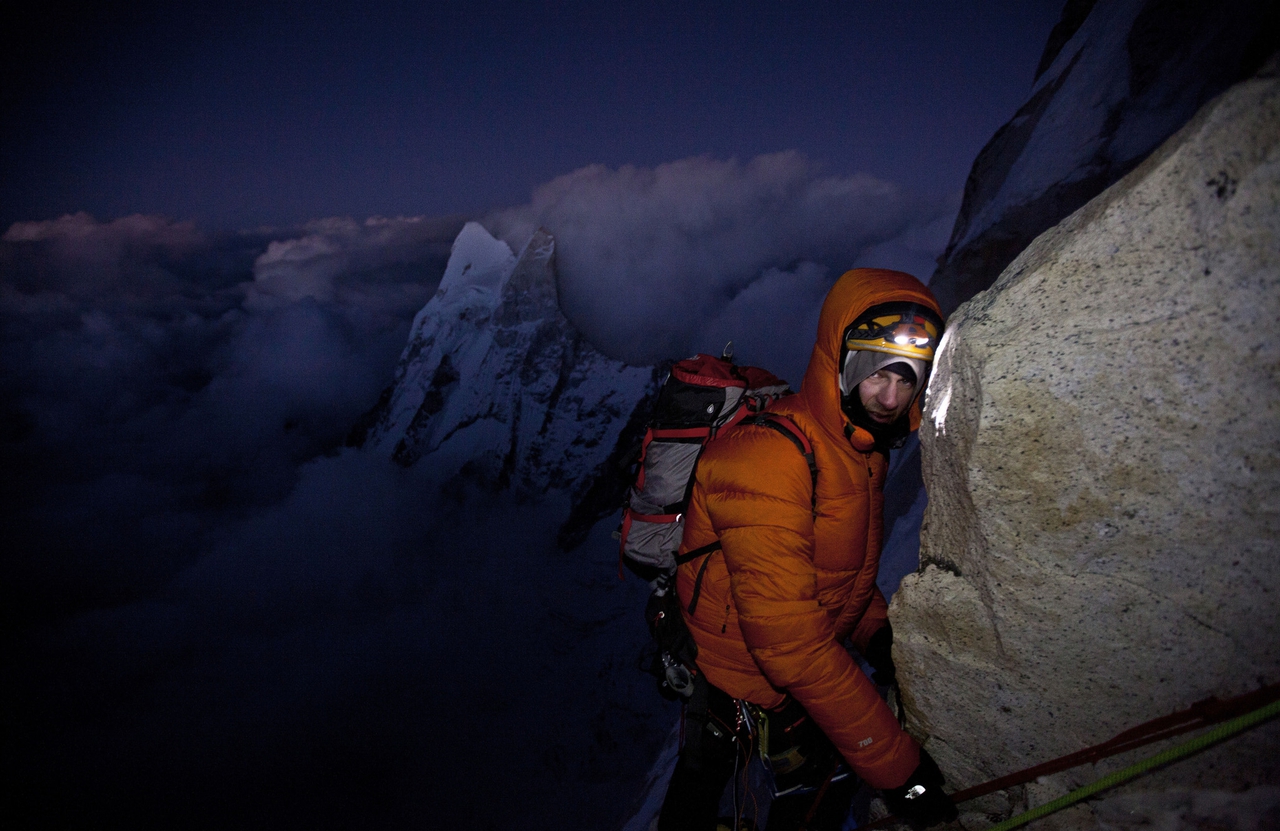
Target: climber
pixel 794 577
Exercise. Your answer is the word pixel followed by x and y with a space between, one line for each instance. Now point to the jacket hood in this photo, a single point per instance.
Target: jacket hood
pixel 854 293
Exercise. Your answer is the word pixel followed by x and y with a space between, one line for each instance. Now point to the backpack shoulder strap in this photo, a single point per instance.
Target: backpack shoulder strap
pixel 788 428
pixel 710 548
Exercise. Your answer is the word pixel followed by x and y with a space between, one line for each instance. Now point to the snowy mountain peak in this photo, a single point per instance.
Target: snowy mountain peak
pixel 477 262
pixel 496 385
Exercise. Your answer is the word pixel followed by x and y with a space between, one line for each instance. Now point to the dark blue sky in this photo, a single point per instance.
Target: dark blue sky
pixel 245 113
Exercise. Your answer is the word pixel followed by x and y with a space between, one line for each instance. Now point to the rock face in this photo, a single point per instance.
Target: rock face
pixel 496 385
pixel 1102 459
pixel 1116 79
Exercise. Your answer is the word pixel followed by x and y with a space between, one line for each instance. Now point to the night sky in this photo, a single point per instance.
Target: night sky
pixel 240 114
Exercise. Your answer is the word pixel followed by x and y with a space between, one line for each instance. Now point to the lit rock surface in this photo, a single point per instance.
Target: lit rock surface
pixel 1102 455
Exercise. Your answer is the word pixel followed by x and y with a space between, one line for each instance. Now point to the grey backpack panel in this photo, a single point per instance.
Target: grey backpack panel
pixel 668 469
pixel 654 543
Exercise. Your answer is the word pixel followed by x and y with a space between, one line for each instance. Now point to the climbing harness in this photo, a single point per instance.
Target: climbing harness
pixel 1234 716
pixel 800 761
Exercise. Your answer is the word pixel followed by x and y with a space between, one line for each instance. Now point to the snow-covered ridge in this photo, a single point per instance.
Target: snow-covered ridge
pixel 496 384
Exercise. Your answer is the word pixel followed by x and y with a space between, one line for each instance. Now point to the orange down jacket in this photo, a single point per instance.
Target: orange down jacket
pixel 788 587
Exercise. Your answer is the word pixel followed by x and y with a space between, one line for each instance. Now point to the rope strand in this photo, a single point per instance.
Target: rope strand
pixel 1220 733
pixel 1257 706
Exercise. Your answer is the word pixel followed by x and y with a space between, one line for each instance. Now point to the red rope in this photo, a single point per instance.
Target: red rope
pixel 1201 714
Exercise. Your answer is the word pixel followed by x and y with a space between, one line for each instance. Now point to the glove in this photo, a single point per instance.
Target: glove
pixel 921 800
pixel 667 626
pixel 879 654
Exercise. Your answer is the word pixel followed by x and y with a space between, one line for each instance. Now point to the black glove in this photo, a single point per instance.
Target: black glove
pixel 667 626
pixel 921 800
pixel 879 654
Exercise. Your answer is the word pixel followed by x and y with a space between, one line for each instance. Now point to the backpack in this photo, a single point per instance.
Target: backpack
pixel 700 397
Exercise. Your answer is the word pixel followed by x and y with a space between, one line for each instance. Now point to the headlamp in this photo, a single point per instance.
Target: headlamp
pixel 906 329
pixel 912 335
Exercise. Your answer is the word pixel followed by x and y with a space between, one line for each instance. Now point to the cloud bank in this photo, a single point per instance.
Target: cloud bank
pixel 171 371
pixel 650 260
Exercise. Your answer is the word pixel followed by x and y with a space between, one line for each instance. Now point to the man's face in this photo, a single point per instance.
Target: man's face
pixel 886 395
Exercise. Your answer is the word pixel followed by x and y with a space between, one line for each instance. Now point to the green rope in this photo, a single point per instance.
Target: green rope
pixel 1222 731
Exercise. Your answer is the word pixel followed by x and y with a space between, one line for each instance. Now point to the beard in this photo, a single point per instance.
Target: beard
pixel 887 435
